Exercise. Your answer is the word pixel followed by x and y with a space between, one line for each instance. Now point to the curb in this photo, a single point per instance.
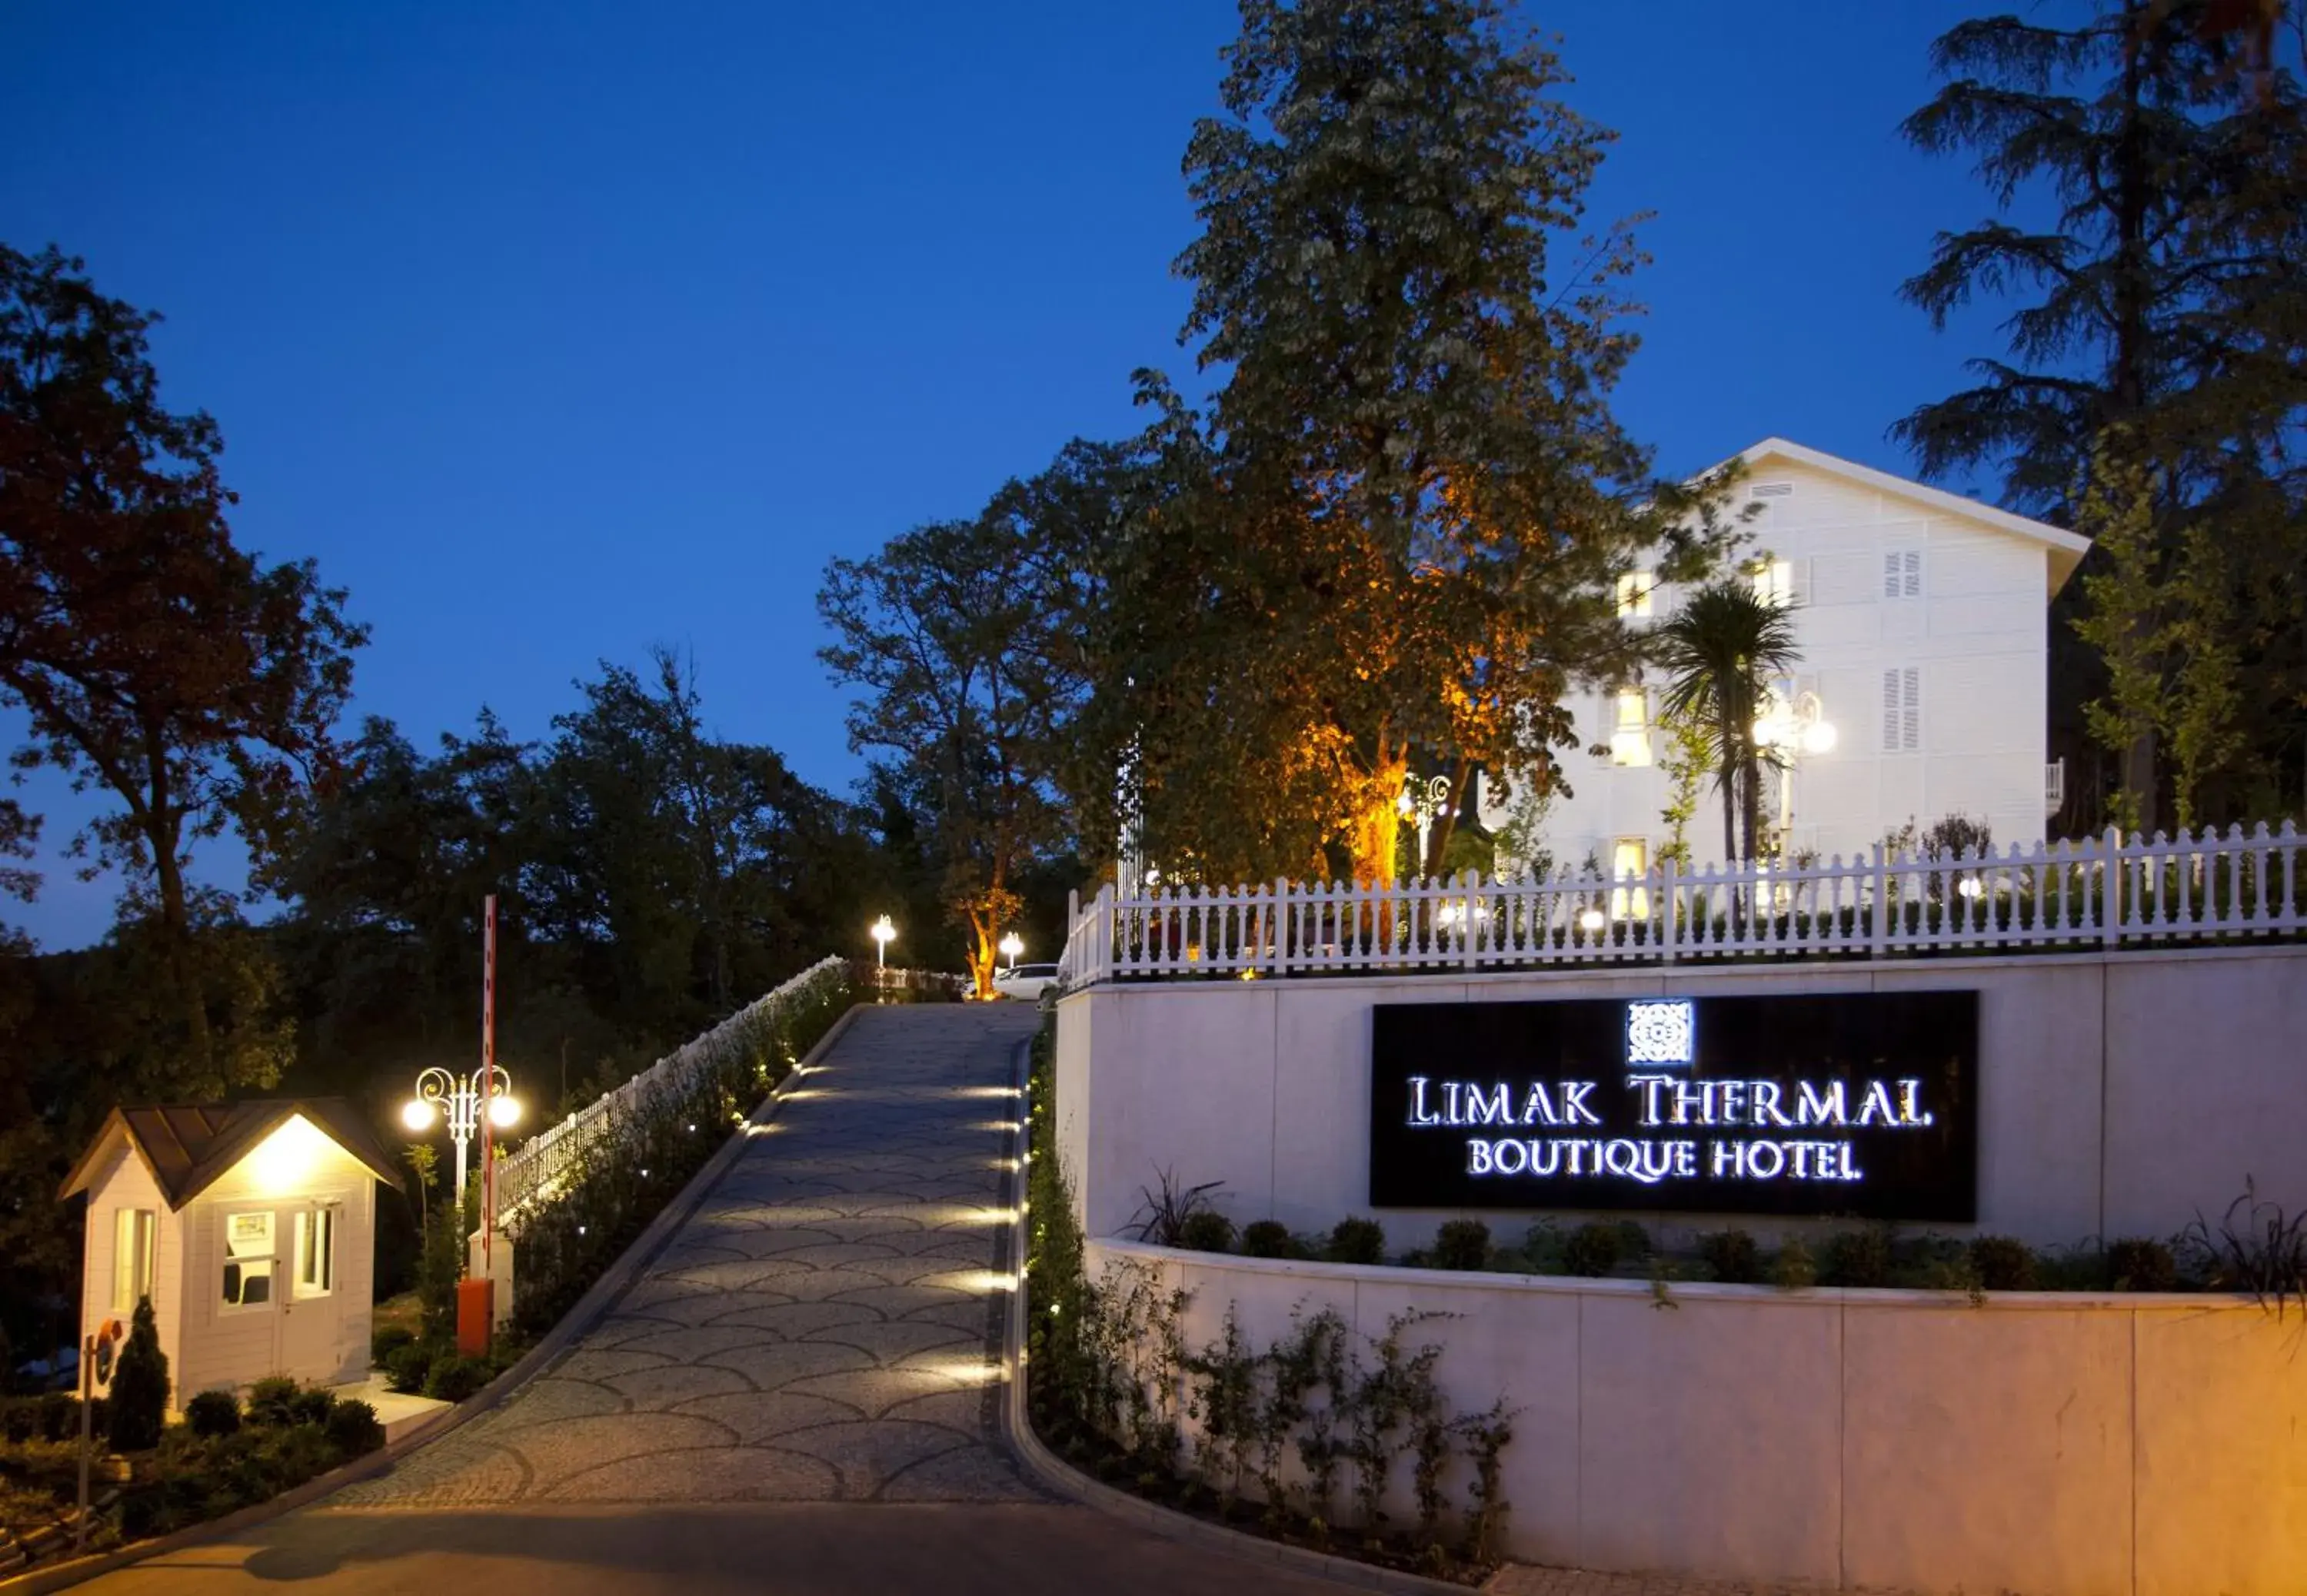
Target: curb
pixel 591 1308
pixel 1063 1480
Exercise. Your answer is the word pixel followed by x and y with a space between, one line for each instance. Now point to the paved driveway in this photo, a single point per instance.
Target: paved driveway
pixel 797 1396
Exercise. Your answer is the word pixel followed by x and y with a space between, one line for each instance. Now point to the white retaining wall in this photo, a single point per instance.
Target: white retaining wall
pixel 2045 1445
pixel 2120 1093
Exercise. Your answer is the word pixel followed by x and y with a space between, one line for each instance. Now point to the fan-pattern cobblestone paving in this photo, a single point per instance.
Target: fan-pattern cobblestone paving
pixel 824 1328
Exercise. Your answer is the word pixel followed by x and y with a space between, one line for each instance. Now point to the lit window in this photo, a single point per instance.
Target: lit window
pixel 248 1260
pixel 1634 589
pixel 316 1252
pixel 1630 740
pixel 132 1258
pixel 1630 860
pixel 1774 582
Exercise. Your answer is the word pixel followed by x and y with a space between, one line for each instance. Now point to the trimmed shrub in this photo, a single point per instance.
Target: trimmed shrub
pixel 353 1429
pixel 1541 1244
pixel 388 1341
pixel 213 1413
pixel 2003 1263
pixel 140 1386
pixel 2137 1263
pixel 454 1377
pixel 18 1420
pixel 405 1367
pixel 1357 1241
pixel 59 1416
pixel 313 1404
pixel 1590 1250
pixel 1795 1269
pixel 1731 1257
pixel 1462 1244
pixel 1633 1241
pixel 1205 1230
pixel 1268 1238
pixel 1858 1257
pixel 272 1402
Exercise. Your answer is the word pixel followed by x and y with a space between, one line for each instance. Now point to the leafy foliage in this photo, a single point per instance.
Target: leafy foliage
pixel 1721 650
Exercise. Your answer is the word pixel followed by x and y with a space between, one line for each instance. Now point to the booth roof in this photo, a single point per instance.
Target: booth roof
pixel 188 1147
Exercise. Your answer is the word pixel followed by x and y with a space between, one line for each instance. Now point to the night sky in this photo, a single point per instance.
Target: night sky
pixel 566 329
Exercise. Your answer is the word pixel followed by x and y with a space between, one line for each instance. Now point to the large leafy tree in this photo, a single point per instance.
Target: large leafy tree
pixel 1412 498
pixel 155 661
pixel 956 634
pixel 2160 307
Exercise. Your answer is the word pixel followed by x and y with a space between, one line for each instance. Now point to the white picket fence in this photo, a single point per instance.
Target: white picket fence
pixel 540 1161
pixel 2106 891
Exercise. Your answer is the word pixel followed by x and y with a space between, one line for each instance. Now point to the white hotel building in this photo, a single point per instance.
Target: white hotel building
pixel 1922 617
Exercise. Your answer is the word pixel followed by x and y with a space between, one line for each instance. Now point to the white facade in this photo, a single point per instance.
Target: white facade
pixel 259 1264
pixel 1923 620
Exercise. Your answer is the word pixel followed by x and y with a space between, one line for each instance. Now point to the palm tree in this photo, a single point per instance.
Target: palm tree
pixel 1720 649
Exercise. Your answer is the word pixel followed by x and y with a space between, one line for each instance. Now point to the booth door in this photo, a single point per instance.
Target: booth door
pixel 311 1307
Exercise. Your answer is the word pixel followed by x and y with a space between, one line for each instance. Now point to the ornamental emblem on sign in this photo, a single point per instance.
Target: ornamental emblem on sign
pixel 1662 1032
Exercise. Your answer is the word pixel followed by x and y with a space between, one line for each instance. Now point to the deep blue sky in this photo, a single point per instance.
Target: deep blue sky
pixel 561 330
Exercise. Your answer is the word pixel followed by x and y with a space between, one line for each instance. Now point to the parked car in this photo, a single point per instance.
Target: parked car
pixel 1025 982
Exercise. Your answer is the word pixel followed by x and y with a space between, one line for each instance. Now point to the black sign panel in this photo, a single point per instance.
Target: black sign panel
pixel 1855 1104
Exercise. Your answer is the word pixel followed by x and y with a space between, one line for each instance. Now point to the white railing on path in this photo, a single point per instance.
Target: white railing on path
pixel 543 1157
pixel 2104 891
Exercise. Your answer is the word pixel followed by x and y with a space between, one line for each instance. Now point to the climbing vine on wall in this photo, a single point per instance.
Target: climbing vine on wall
pixel 1300 1438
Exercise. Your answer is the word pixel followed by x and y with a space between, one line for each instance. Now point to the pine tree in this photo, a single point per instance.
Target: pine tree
pixel 140 1386
pixel 2160 296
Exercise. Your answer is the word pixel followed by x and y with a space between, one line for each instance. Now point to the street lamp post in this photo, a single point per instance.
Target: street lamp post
pixel 1795 726
pixel 1013 946
pixel 883 933
pixel 441 1094
pixel 1420 802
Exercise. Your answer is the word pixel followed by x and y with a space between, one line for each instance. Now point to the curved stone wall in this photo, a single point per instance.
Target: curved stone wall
pixel 2043 1444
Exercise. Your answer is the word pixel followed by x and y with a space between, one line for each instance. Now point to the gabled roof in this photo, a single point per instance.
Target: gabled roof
pixel 189 1146
pixel 2066 549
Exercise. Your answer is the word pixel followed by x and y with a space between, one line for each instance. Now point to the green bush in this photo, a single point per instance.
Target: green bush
pixel 2003 1263
pixel 353 1429
pixel 1205 1230
pixel 18 1420
pixel 405 1367
pixel 387 1340
pixel 1357 1241
pixel 1269 1238
pixel 1858 1257
pixel 313 1405
pixel 1795 1269
pixel 1541 1244
pixel 1590 1250
pixel 59 1416
pixel 1633 1241
pixel 455 1378
pixel 2135 1263
pixel 272 1402
pixel 213 1413
pixel 1731 1256
pixel 1462 1244
pixel 439 1267
pixel 140 1386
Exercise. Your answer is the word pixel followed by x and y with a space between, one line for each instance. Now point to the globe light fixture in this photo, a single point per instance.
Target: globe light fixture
pixel 1013 946
pixel 883 933
pixel 1794 727
pixel 1592 920
pixel 442 1094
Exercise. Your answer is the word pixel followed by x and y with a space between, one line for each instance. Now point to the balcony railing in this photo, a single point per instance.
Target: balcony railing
pixel 2102 893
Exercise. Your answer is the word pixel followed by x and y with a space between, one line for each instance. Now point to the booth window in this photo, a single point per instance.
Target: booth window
pixel 248 1260
pixel 132 1257
pixel 316 1252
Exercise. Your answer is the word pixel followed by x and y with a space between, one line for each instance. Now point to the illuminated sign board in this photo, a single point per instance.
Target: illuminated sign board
pixel 1854 1103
